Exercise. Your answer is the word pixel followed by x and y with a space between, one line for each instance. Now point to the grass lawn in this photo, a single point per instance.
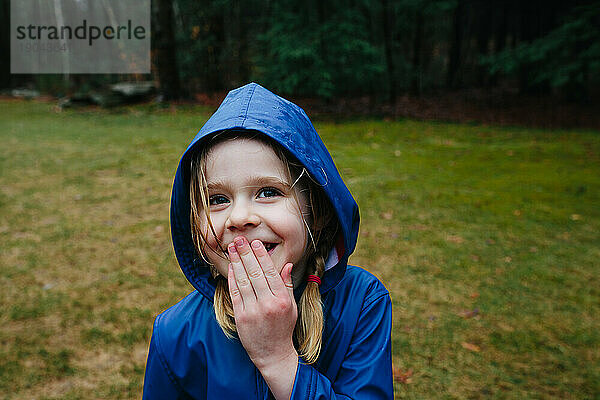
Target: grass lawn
pixel 487 238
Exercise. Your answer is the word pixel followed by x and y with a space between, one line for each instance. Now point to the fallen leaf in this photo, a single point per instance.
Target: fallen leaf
pixel 466 314
pixel 387 215
pixel 471 346
pixel 397 153
pixel 575 217
pixel 505 327
pixel 564 236
pixel 507 259
pixel 516 213
pixel 455 239
pixel 404 377
pixel 474 295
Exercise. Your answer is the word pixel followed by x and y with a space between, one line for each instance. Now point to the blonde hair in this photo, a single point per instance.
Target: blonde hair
pixel 322 228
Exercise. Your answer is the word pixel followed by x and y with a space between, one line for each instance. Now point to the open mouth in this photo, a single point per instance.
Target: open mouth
pixel 270 246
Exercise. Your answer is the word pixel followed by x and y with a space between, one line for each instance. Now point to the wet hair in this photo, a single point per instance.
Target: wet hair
pixel 322 229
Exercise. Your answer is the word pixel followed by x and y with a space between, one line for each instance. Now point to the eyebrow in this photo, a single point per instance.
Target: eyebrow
pixel 253 181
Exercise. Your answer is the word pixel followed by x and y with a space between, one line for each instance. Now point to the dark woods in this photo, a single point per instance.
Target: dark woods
pixel 386 47
pixel 380 49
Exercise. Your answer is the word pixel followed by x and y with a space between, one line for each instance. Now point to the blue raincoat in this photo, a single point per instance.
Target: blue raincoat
pixel 191 358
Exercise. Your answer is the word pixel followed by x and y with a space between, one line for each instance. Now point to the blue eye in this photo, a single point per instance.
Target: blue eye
pixel 268 192
pixel 217 199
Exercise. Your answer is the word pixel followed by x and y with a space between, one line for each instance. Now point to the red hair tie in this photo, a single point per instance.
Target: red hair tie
pixel 315 279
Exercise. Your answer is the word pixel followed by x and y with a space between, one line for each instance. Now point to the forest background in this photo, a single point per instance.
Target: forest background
pixel 536 62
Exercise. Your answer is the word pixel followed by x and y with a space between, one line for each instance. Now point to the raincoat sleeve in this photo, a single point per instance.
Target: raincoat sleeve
pixel 159 382
pixel 366 372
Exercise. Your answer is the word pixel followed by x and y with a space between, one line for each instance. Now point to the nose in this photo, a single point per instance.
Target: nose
pixel 242 216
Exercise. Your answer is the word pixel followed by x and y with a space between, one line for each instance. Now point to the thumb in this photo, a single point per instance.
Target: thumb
pixel 286 276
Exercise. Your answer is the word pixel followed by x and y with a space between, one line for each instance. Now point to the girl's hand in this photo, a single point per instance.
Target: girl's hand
pixel 265 312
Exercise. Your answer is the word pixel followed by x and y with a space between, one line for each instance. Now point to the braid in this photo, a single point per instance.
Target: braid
pixel 224 307
pixel 309 328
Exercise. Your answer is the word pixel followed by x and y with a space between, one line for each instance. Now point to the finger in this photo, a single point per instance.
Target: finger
pixel 286 276
pixel 241 278
pixel 268 267
pixel 252 267
pixel 234 292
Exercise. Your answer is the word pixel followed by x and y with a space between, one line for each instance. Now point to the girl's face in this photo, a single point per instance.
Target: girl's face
pixel 250 195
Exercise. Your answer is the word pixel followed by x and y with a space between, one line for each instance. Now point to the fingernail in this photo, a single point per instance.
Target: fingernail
pixel 239 241
pixel 256 244
pixel 232 248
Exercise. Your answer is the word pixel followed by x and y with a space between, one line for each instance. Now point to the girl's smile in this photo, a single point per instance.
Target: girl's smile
pixel 250 195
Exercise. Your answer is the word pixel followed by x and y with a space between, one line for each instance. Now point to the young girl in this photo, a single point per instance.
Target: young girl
pixel 262 226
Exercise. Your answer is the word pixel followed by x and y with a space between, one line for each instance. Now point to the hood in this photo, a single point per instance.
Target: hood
pixel 253 107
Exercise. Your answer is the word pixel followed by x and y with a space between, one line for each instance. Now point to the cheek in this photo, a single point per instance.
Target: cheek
pixel 217 226
pixel 210 246
pixel 295 233
pixel 288 221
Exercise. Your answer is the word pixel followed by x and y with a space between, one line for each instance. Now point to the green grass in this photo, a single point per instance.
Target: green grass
pixel 487 238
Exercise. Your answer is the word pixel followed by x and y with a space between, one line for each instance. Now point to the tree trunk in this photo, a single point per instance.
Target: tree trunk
pixel 415 85
pixel 387 43
pixel 454 51
pixel 5 77
pixel 164 39
pixel 484 28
